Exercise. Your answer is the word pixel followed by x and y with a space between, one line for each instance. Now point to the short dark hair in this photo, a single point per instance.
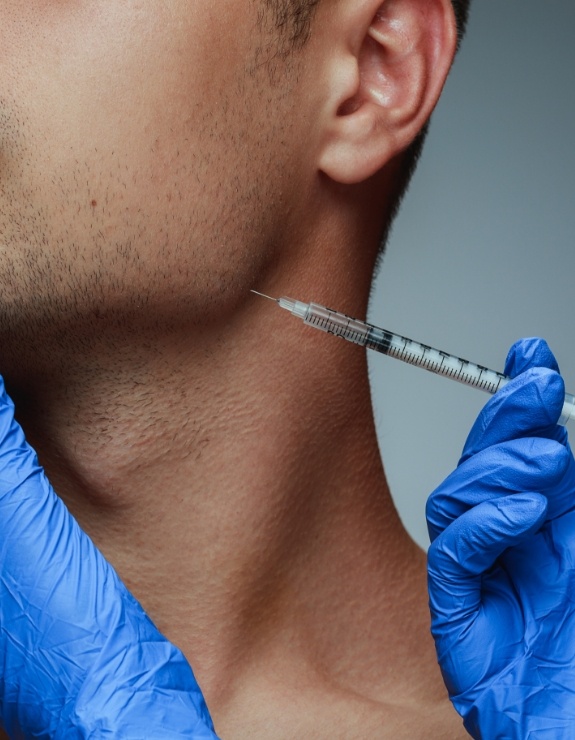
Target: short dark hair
pixel 461 10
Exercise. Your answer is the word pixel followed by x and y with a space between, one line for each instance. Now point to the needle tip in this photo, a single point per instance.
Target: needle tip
pixel 263 295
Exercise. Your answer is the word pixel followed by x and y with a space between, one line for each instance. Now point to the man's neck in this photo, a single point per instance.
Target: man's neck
pixel 234 481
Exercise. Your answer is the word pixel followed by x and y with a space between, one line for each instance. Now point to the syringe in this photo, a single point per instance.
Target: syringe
pixel 402 348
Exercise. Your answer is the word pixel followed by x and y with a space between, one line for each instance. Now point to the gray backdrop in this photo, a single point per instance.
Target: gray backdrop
pixel 482 252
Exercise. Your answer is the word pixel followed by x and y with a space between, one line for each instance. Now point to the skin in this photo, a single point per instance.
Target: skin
pixel 158 160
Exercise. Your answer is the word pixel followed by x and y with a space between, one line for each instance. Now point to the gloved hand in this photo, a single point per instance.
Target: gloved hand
pixel 78 656
pixel 501 566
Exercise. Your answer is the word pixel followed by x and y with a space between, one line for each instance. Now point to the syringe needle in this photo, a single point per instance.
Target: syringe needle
pixel 263 295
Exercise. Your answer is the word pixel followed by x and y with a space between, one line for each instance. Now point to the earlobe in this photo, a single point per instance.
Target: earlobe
pixel 401 63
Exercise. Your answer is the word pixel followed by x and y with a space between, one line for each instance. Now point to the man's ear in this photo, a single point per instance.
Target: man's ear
pixel 387 70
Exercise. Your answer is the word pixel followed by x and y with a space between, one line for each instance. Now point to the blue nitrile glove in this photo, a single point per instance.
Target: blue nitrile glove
pixel 78 656
pixel 502 562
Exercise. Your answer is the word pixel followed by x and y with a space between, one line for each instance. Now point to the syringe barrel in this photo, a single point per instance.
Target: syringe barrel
pixel 434 360
pixel 337 324
pixel 407 350
pixel 568 411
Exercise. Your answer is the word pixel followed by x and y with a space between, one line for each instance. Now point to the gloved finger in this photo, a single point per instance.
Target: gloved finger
pixel 79 655
pixel 468 548
pixel 528 406
pixel 522 465
pixel 529 353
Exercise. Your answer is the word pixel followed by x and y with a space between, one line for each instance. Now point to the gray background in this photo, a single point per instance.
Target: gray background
pixel 482 252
